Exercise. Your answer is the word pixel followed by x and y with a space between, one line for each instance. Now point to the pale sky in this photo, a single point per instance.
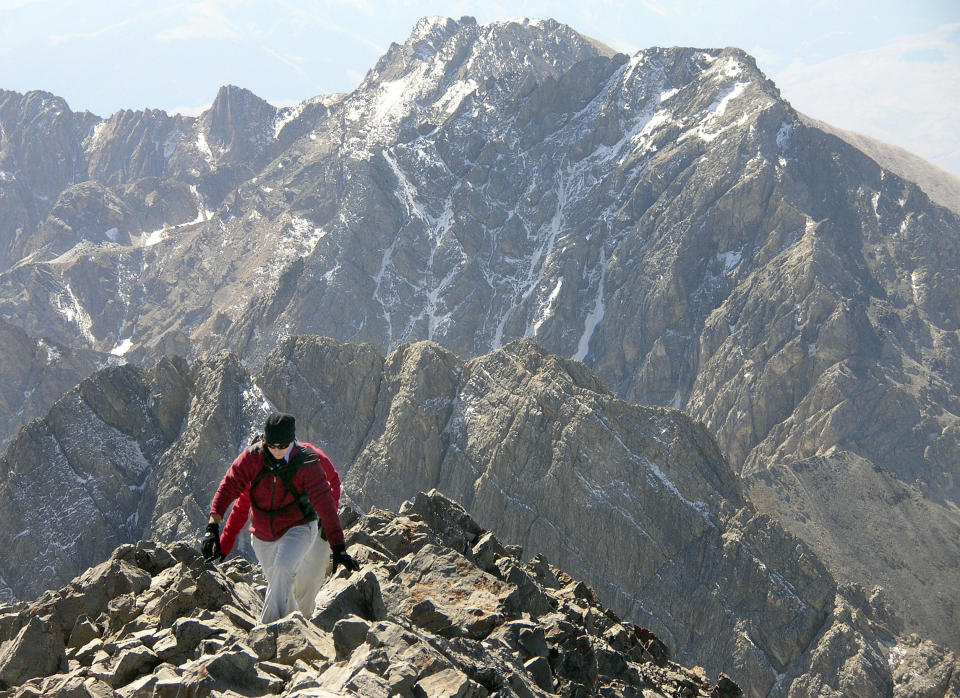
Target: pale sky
pixel 889 69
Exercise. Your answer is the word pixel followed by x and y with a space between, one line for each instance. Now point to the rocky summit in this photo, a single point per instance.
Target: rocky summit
pixel 440 608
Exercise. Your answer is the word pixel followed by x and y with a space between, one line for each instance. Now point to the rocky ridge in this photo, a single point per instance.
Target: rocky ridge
pixel 440 608
pixel 35 373
pixel 636 501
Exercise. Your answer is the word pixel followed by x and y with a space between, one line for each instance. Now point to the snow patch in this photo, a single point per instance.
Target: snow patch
pixel 203 146
pixel 112 234
pixel 68 305
pixel 297 239
pixel 97 134
pixel 426 26
pixel 285 116
pixel 719 106
pixel 664 96
pixel 203 214
pixel 52 354
pixel 171 143
pixel 391 100
pixel 595 317
pixel 918 287
pixel 732 68
pixel 454 96
pixel 254 407
pixel 730 260
pixel 545 311
pixel 122 348
pixel 154 238
pixel 897 653
pixel 677 401
pixel 784 134
pixel 717 109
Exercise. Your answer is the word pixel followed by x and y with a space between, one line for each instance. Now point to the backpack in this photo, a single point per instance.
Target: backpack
pixel 284 470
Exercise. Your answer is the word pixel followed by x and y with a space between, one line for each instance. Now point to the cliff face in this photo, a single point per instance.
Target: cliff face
pixel 636 501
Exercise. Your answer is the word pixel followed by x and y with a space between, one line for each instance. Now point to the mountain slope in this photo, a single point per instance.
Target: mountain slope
pixel 636 500
pixel 34 373
pixel 666 218
pixel 942 187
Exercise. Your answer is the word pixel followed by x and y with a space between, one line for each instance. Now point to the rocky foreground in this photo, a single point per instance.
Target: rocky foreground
pixel 439 608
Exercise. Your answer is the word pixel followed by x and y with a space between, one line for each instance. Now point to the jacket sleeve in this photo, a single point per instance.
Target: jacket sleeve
pixel 333 477
pixel 235 522
pixel 238 478
pixel 320 492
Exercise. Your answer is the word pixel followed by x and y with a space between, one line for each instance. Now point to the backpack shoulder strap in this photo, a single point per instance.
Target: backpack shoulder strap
pixel 285 473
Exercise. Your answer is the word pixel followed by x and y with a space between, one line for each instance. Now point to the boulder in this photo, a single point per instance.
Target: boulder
pixel 448 683
pixel 290 639
pixel 348 634
pixel 37 650
pixel 360 596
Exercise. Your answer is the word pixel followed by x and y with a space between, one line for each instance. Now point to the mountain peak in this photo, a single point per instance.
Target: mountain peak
pixel 234 105
pixel 437 26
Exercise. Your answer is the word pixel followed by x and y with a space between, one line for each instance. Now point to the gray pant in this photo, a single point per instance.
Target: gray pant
pixel 280 560
pixel 311 575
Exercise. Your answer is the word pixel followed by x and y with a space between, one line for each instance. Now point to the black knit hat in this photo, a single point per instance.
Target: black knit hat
pixel 279 428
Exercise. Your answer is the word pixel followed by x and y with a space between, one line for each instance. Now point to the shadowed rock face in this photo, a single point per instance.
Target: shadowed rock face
pixel 666 218
pixel 636 501
pixel 440 607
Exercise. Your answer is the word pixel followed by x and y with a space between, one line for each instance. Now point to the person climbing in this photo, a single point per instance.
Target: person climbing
pixel 315 567
pixel 288 490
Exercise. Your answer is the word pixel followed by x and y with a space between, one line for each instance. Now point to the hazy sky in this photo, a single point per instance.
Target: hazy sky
pixel 885 68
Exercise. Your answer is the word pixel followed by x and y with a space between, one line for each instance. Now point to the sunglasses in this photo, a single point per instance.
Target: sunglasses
pixel 278 447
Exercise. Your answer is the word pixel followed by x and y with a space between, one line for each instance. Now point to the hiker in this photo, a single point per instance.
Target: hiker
pixel 315 567
pixel 288 491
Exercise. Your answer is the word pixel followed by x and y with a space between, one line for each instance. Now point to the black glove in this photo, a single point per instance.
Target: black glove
pixel 340 556
pixel 210 543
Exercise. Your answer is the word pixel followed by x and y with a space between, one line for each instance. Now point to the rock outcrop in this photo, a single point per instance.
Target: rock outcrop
pixel 440 608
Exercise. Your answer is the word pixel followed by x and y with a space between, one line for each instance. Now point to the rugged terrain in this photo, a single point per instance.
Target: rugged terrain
pixel 636 501
pixel 440 608
pixel 666 218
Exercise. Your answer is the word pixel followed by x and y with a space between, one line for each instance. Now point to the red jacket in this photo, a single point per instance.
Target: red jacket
pixel 241 508
pixel 271 494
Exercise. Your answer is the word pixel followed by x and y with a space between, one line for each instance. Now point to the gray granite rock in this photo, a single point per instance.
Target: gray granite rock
pixel 36 650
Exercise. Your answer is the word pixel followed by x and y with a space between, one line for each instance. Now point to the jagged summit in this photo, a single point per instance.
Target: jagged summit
pixel 440 608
